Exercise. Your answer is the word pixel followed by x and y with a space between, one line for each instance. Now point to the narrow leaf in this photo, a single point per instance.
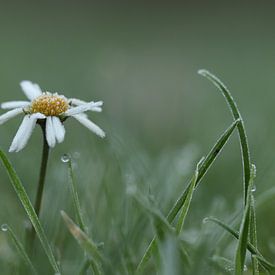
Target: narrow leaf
pixel 244 149
pixel 23 197
pixel 241 129
pixel 210 158
pixel 253 250
pixel 83 240
pixel 75 196
pixel 20 248
pixel 187 202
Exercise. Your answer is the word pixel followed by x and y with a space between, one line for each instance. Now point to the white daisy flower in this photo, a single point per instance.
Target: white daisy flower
pixel 51 109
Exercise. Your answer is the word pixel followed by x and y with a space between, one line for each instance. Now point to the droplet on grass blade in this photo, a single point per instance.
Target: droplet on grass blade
pixel 4 227
pixel 253 189
pixel 65 158
pixel 76 155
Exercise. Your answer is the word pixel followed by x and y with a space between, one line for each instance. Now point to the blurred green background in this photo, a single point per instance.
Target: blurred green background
pixel 141 59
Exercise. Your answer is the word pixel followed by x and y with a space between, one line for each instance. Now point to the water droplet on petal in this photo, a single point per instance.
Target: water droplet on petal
pixel 65 158
pixel 4 227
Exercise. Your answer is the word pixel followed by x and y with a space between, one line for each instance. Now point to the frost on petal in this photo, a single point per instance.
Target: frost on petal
pixel 91 106
pixel 24 133
pixel 14 104
pixel 77 102
pixel 31 90
pixel 50 134
pixel 10 114
pixel 90 125
pixel 59 129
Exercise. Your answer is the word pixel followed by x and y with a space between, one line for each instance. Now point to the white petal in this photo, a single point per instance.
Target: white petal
pixel 77 102
pixel 24 133
pixel 59 129
pixel 31 90
pixel 10 114
pixel 83 108
pixel 14 104
pixel 50 134
pixel 90 125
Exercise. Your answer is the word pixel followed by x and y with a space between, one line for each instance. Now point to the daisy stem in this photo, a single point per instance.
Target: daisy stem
pixel 41 181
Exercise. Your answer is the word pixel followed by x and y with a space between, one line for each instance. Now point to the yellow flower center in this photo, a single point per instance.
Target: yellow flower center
pixel 49 105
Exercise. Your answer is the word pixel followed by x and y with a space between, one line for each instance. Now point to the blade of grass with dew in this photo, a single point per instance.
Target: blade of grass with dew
pixel 20 248
pixel 187 202
pixel 236 115
pixel 253 235
pixel 244 228
pixel 23 197
pixel 208 161
pixel 243 144
pixel 252 249
pixel 84 241
pixel 77 210
pixel 75 197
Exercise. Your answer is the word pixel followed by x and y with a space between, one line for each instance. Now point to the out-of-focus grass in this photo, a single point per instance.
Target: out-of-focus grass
pixel 160 117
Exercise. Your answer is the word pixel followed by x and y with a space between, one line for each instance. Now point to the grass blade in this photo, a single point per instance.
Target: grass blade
pixel 208 161
pixel 187 202
pixel 252 249
pixel 20 248
pixel 253 235
pixel 75 197
pixel 241 129
pixel 23 197
pixel 244 229
pixel 83 240
pixel 244 150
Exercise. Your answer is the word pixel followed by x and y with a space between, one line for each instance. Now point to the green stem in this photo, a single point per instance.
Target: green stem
pixel 41 181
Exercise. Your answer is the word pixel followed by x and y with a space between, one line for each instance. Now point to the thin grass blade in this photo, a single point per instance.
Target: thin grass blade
pixel 245 227
pixel 20 248
pixel 208 161
pixel 187 202
pixel 23 197
pixel 83 240
pixel 241 129
pixel 75 197
pixel 253 235
pixel 252 249
pixel 244 150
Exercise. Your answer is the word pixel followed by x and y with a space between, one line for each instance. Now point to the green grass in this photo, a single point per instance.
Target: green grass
pixel 136 215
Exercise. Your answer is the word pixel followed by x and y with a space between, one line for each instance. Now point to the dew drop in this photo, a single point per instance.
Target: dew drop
pixel 76 155
pixel 65 158
pixel 205 220
pixel 4 227
pixel 253 189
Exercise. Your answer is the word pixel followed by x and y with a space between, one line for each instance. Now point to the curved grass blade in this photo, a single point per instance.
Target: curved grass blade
pixel 23 197
pixel 245 227
pixel 75 197
pixel 208 161
pixel 244 150
pixel 84 241
pixel 20 248
pixel 241 129
pixel 252 249
pixel 187 202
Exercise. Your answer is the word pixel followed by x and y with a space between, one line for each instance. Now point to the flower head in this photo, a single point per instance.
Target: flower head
pixel 50 108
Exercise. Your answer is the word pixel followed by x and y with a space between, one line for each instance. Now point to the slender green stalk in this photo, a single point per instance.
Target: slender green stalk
pixel 205 165
pixel 20 248
pixel 253 250
pixel 75 197
pixel 41 184
pixel 26 203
